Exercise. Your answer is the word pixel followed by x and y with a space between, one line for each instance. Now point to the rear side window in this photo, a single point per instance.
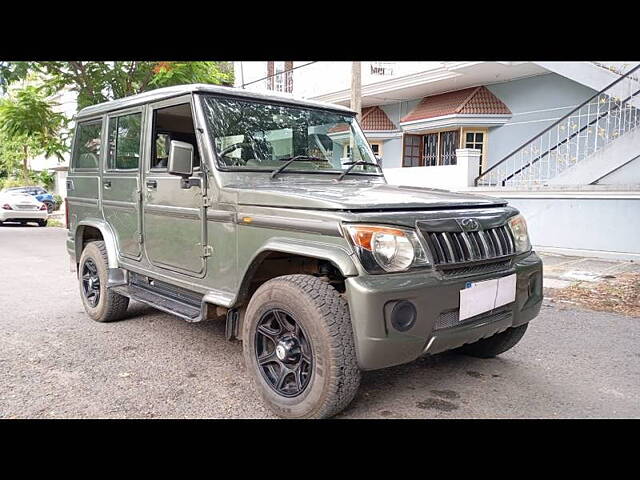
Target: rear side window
pixel 124 142
pixel 86 153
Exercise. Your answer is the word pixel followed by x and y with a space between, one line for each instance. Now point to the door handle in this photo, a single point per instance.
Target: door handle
pixel 107 184
pixel 151 184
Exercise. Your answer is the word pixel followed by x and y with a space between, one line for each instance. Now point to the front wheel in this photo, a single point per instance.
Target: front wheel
pixel 42 223
pixel 495 344
pixel 50 207
pixel 298 345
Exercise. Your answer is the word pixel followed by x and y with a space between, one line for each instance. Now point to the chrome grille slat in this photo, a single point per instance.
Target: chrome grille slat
pixel 445 237
pixel 467 242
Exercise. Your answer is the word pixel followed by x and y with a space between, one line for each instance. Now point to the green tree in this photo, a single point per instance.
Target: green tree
pixel 27 118
pixel 97 82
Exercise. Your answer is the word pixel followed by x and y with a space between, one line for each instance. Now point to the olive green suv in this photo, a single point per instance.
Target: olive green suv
pixel 273 215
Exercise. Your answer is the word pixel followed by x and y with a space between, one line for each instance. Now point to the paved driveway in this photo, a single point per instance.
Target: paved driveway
pixel 55 362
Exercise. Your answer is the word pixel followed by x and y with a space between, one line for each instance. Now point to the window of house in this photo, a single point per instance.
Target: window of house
pixel 124 142
pixel 431 149
pixel 411 151
pixel 449 142
pixel 377 149
pixel 475 140
pixel 86 153
pixel 279 79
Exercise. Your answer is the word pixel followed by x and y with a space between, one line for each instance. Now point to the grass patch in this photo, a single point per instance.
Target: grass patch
pixel 54 223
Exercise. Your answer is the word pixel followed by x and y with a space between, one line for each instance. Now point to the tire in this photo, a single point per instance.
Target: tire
pixel 50 207
pixel 109 306
pixel 325 336
pixel 42 223
pixel 496 344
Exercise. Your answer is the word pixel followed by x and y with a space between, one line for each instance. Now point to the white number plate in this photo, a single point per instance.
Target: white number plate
pixel 480 297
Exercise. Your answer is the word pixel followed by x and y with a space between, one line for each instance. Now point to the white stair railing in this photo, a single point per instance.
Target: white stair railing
pixel 587 129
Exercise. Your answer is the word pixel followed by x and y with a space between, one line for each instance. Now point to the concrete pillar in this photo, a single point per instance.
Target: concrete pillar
pixel 468 160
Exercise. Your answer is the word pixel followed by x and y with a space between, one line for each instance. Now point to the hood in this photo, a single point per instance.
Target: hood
pixel 357 196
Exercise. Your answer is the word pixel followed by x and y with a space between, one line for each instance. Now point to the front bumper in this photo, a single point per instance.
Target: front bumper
pixel 22 215
pixel 379 345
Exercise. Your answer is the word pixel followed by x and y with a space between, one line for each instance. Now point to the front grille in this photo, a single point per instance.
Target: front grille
pixel 450 248
pixel 452 318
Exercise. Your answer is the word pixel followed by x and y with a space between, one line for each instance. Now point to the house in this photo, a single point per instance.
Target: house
pixel 555 137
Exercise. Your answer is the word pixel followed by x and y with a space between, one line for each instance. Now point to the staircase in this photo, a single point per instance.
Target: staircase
pixel 596 138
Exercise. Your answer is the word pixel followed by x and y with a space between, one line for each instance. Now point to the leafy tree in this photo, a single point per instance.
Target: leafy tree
pixel 97 82
pixel 27 118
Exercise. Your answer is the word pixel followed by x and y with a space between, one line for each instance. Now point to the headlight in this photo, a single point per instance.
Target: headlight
pixel 386 249
pixel 518 228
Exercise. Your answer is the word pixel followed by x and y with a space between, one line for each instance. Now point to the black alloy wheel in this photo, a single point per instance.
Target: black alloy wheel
pixel 283 353
pixel 91 282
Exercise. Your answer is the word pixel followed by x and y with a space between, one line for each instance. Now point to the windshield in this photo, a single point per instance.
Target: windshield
pixel 258 136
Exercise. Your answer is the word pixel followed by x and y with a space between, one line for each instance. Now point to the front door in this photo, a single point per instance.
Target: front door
pixel 174 232
pixel 121 180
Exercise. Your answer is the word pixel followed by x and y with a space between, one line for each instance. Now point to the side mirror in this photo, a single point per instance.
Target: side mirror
pixel 180 159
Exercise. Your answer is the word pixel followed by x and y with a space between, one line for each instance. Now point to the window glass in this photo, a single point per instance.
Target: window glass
pixel 86 153
pixel 172 123
pixel 258 136
pixel 124 142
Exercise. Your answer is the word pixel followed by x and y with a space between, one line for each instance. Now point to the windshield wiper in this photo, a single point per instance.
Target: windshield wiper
pixel 297 158
pixel 354 164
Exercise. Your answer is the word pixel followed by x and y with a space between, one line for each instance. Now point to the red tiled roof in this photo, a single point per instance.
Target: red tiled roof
pixel 475 100
pixel 373 120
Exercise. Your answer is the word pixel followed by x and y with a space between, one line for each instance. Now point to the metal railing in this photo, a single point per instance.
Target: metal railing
pixel 587 129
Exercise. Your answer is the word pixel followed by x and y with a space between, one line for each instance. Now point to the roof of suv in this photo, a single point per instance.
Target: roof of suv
pixel 169 92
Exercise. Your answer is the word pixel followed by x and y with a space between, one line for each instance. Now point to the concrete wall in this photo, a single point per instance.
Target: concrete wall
pixel 602 224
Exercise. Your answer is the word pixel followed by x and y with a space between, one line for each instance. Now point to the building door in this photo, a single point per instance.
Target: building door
pixel 475 140
pixel 174 230
pixel 121 181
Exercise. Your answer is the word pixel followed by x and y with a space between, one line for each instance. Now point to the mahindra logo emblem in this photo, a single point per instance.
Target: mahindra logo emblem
pixel 469 224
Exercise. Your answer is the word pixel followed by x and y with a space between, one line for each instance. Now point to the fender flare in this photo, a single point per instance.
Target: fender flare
pixel 107 235
pixel 339 256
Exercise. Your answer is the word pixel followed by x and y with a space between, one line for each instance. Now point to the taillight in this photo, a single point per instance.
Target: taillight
pixel 6 206
pixel 43 207
pixel 66 213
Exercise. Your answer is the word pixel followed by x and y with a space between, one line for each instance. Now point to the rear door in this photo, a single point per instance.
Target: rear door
pixel 121 180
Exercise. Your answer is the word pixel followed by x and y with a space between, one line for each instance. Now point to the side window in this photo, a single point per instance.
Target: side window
pixel 172 123
pixel 86 153
pixel 124 142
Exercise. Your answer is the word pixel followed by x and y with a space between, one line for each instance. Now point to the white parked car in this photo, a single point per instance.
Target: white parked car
pixel 23 208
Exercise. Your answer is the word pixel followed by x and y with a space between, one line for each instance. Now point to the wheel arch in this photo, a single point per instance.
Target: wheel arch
pixel 335 255
pixel 89 230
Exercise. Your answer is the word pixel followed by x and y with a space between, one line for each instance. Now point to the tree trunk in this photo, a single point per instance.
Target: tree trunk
pixel 25 168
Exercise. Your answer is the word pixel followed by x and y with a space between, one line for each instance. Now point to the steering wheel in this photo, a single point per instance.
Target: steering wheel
pixel 234 146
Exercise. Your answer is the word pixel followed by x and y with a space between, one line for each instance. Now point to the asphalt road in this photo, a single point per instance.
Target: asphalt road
pixel 57 363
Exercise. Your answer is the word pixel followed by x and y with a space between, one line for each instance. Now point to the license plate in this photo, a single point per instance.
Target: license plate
pixel 481 297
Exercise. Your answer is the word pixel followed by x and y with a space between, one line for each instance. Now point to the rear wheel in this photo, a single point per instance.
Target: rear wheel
pixel 496 344
pixel 50 206
pixel 100 303
pixel 298 345
pixel 42 223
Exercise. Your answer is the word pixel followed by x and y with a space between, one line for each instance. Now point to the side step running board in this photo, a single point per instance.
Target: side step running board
pixel 166 303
